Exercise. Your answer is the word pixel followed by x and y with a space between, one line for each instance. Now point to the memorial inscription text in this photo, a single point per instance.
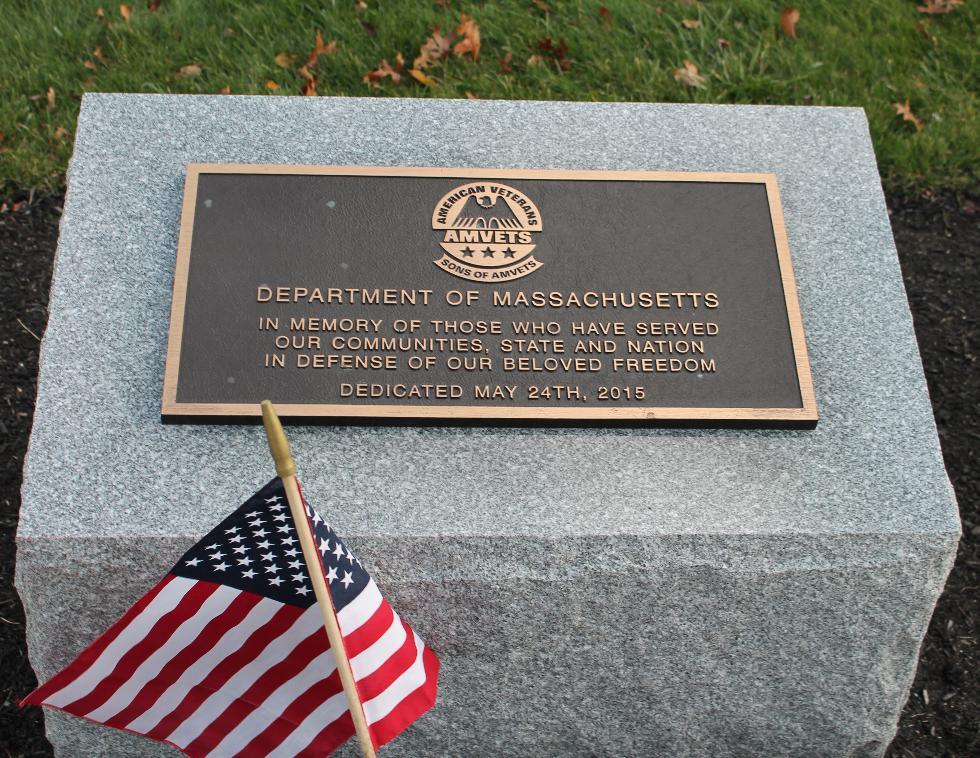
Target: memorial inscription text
pixel 546 356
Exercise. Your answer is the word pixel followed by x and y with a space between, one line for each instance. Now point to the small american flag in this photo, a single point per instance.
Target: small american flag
pixel 227 655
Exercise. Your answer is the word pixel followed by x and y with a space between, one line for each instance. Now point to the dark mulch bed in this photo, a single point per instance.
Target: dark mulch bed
pixel 938 239
pixel 27 241
pixel 938 243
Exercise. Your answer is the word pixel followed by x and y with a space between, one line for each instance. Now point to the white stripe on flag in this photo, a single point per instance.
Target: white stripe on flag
pixel 311 726
pixel 271 654
pixel 197 672
pixel 185 634
pixel 413 678
pixel 270 709
pixel 165 601
pixel 373 657
pixel 357 612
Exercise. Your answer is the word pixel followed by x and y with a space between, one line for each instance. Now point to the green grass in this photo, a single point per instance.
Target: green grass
pixel 872 54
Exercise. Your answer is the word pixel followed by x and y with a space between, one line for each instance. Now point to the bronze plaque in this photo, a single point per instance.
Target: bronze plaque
pixel 348 292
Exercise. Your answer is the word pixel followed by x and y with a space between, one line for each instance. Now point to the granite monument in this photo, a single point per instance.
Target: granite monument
pixel 590 591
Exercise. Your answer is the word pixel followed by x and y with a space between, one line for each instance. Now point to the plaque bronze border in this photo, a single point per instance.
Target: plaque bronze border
pixel 806 416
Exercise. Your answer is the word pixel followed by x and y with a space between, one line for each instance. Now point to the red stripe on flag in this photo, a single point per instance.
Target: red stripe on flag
pixel 401 660
pixel 157 635
pixel 333 736
pixel 412 706
pixel 367 633
pixel 172 670
pixel 88 656
pixel 293 715
pixel 285 617
pixel 246 703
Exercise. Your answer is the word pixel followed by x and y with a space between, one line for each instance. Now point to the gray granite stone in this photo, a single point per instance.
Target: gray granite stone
pixel 590 592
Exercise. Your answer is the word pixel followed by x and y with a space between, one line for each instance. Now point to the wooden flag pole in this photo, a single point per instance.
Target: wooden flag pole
pixel 287 471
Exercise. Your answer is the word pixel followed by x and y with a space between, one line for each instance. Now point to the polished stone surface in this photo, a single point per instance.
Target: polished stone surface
pixel 590 591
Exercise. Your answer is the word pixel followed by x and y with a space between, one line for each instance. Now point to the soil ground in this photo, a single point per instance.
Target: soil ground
pixel 938 241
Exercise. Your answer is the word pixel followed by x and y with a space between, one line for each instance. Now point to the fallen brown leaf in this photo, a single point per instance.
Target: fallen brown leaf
pixel 788 21
pixel 271 85
pixel 905 111
pixel 558 53
pixel 90 65
pixel 385 70
pixel 153 6
pixel 970 207
pixel 88 83
pixel 320 49
pixel 543 6
pixel 935 7
pixel 191 69
pixel 723 43
pixel 60 133
pixel 689 75
pixel 100 12
pixel 470 31
pixel 422 78
pixel 98 55
pixel 471 96
pixel 285 60
pixel 51 98
pixel 690 23
pixel 226 90
pixel 311 80
pixel 535 60
pixel 505 67
pixel 368 28
pixel 606 17
pixel 228 31
pixel 434 50
pixel 125 11
pixel 360 5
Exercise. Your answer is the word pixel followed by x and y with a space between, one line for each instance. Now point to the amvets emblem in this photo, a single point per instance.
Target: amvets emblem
pixel 487 232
